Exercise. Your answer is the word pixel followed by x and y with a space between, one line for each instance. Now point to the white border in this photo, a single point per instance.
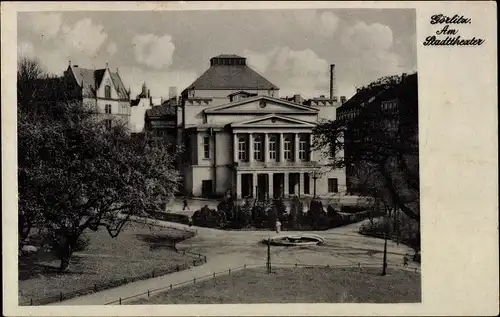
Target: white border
pixel 458 146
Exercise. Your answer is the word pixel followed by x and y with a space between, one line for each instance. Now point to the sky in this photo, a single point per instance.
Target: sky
pixel 291 48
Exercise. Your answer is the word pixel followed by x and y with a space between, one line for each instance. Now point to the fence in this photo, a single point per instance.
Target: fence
pixel 193 281
pixel 104 286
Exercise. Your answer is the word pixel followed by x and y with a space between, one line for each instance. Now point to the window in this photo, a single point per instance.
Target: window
pixel 107 91
pixel 107 109
pixel 302 149
pixel 206 147
pixel 108 124
pixel 333 186
pixel 257 148
pixel 272 148
pixel 287 149
pixel 242 149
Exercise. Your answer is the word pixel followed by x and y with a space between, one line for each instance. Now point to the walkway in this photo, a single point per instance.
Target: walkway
pixel 230 249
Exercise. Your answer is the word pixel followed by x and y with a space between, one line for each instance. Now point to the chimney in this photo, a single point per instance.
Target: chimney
pixel 172 92
pixel 149 93
pixel 332 81
pixel 296 98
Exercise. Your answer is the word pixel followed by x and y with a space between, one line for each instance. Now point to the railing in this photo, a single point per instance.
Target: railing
pixel 277 164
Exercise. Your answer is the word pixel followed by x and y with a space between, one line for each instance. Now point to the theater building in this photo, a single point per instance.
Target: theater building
pixel 241 137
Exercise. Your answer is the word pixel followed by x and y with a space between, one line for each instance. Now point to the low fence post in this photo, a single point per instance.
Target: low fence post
pixel 229 271
pixel 148 292
pixel 60 296
pixel 205 259
pixel 214 275
pixel 194 281
pixel 153 273
pixel 170 286
pixel 244 266
pixel 120 300
pixel 31 301
pixel 194 262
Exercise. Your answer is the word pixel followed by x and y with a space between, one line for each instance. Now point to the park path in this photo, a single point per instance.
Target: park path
pixel 231 249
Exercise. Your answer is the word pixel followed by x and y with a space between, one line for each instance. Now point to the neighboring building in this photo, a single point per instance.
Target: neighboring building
pixel 395 107
pixel 138 107
pixel 100 88
pixel 161 121
pixel 241 137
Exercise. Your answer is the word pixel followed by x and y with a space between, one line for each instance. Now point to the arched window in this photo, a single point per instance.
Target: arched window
pixel 107 91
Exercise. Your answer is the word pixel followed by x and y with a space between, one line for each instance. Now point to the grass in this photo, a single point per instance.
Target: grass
pixel 138 251
pixel 298 285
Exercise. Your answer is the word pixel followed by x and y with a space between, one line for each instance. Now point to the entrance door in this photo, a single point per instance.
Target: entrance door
pixel 262 186
pixel 206 188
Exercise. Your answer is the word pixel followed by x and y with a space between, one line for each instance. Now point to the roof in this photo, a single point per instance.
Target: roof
pixel 231 77
pixel 161 111
pixel 228 56
pixel 89 78
pixel 369 95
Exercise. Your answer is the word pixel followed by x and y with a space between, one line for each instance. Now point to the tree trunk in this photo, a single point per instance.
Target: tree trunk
pixel 384 268
pixel 67 247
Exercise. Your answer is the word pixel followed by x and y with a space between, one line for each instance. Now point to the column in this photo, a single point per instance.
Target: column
pixel 282 148
pixel 270 185
pixel 286 185
pixel 235 147
pixel 265 148
pixel 250 147
pixel 238 185
pixel 296 148
pixel 254 185
pixel 311 156
pixel 301 184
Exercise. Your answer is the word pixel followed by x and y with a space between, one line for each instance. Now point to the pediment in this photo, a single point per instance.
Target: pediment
pixel 273 121
pixel 261 105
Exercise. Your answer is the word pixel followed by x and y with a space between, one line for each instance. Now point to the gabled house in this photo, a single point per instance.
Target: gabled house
pixel 102 89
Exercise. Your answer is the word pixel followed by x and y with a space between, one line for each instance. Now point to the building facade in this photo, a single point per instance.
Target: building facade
pixel 391 101
pixel 101 89
pixel 240 137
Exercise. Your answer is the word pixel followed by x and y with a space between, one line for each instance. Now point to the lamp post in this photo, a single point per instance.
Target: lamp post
pixel 315 177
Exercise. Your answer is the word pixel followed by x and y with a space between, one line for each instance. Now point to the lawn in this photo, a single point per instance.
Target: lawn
pixel 137 252
pixel 298 285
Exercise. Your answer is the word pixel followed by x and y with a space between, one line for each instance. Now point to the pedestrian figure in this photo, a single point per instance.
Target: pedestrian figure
pixel 185 205
pixel 278 226
pixel 405 260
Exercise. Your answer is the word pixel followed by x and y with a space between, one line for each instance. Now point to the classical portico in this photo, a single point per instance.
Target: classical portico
pixel 272 157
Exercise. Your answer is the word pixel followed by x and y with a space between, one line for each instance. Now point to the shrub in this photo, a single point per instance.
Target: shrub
pixel 206 217
pixel 316 215
pixel 296 211
pixel 82 243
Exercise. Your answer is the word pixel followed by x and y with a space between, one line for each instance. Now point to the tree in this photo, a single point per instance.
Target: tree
pixel 381 144
pixel 76 175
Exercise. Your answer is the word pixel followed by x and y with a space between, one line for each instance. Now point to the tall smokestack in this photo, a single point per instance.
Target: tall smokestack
pixel 332 81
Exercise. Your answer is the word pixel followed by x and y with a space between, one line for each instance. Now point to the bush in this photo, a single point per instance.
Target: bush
pixel 296 212
pixel 82 243
pixel 316 215
pixel 210 218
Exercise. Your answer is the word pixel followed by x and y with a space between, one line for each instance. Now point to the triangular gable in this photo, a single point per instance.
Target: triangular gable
pixel 253 104
pixel 273 120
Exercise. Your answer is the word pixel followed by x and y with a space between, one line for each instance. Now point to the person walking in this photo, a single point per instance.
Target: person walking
pixel 185 202
pixel 405 260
